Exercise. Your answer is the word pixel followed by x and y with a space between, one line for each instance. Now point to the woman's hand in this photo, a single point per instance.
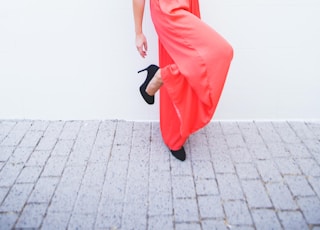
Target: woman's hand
pixel 142 45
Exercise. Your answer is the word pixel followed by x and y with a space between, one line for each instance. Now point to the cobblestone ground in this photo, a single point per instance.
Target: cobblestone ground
pixel 120 175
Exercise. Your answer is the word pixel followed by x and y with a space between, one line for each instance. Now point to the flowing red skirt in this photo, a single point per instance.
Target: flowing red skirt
pixel 194 61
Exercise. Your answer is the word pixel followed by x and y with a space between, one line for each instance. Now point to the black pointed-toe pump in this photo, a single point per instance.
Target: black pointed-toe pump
pixel 152 69
pixel 179 154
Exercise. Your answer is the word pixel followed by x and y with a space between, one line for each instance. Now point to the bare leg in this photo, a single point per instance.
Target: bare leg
pixel 155 84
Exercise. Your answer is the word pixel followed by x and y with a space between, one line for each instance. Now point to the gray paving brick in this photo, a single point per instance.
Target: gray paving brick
pixel 54 166
pixel 206 187
pixel 299 186
pixel 31 139
pixel 9 174
pixel 237 213
pixel 287 166
pixel 314 126
pixel 310 207
pixel 160 203
pixel 47 143
pixel 82 221
pixel 214 225
pixel 247 171
pixel 203 170
pixel 199 149
pixel 268 132
pixel 259 151
pixel 256 195
pixel 32 216
pixel 160 182
pixel 217 145
pixel 20 155
pixel 240 155
pixel 141 135
pixel 315 183
pixel 229 186
pixel 134 215
pixel 285 132
pixel 278 150
pixel 38 158
pixel 3 193
pixel 210 207
pixel 188 226
pixel 302 130
pixel 268 171
pixel 43 190
pixel 120 153
pixel 7 220
pixel 29 174
pixel 281 197
pixel 17 133
pixel 106 133
pixel 5 127
pixel 314 149
pixel 56 221
pixel 309 167
pixel 181 169
pixel 123 134
pixel 293 220
pixel 235 141
pixel 140 154
pixel 160 222
pixel 265 219
pixel 109 215
pixel 5 152
pixel 70 130
pixel 100 154
pixel 183 187
pixel 63 147
pixel 214 130
pixel 16 198
pixel 298 150
pixel 250 133
pixel 229 128
pixel 39 125
pixel 222 163
pixel 185 210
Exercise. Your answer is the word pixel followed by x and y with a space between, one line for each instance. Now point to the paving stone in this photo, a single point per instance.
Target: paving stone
pixel 259 151
pixel 5 127
pixel 160 222
pixel 16 198
pixel 39 125
pixel 82 221
pixel 230 128
pixel 160 182
pixel 185 210
pixel 279 150
pixel 309 167
pixel 32 216
pixel 229 186
pixel 29 174
pixel 56 221
pixel 184 169
pixel 183 187
pixel 287 166
pixel 7 220
pixel 38 158
pixel 298 150
pixel 134 215
pixel 247 171
pixel 235 141
pixel 299 186
pixel 109 215
pixel 17 133
pixel 293 220
pixel 106 133
pixel 203 170
pixel 188 226
pixel 256 194
pixel 240 155
pixel 9 174
pixel 265 219
pixel 268 171
pixel 286 133
pixel 210 207
pixel 5 152
pixel 302 130
pixel 314 126
pixel 250 133
pixel 237 213
pixel 123 134
pixel 63 147
pixel 281 197
pixel 222 163
pixel 214 225
pixel 20 155
pixel 310 207
pixel 43 190
pixel 31 139
pixel 199 147
pixel 160 203
pixel 70 130
pixel 268 132
pixel 206 187
pixel 3 193
pixel 315 183
pixel 54 166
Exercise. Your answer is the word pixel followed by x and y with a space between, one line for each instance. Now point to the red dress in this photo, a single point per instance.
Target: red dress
pixel 194 61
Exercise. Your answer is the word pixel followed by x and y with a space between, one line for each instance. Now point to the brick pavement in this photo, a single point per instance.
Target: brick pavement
pixel 119 175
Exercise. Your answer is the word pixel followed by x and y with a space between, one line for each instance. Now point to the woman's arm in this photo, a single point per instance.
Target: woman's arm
pixel 141 41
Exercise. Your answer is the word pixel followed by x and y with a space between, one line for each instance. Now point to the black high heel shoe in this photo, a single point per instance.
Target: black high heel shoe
pixel 179 154
pixel 152 69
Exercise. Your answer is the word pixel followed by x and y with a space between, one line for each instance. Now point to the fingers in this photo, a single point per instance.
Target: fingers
pixel 142 45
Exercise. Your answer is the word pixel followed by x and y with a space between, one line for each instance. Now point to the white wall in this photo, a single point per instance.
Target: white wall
pixel 76 59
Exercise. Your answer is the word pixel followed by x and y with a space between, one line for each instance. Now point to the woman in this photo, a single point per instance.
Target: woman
pixel 194 62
